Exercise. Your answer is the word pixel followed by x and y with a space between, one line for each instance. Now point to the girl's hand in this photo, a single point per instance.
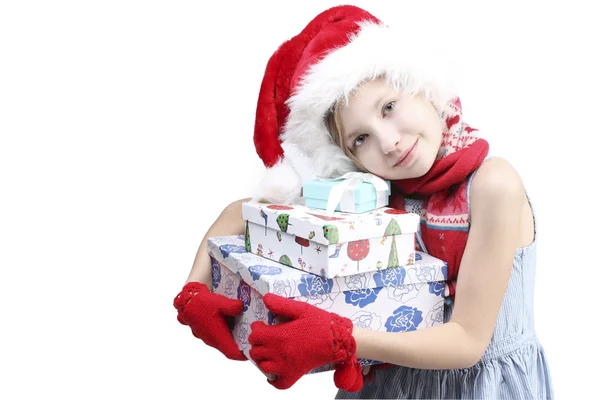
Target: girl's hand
pixel 206 314
pixel 312 337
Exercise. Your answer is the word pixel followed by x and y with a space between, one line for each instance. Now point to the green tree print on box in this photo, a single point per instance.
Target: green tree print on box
pixel 248 246
pixel 285 260
pixel 392 230
pixel 331 233
pixel 283 222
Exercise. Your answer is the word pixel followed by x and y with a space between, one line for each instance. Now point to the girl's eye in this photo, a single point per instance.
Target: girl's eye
pixel 389 107
pixel 360 140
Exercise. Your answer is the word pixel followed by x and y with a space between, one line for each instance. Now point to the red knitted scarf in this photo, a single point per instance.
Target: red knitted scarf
pixel 445 212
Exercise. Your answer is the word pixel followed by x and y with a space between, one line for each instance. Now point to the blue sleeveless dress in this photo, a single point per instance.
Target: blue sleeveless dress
pixel 514 365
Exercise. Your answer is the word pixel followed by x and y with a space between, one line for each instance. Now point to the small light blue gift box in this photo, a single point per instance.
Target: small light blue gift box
pixel 353 192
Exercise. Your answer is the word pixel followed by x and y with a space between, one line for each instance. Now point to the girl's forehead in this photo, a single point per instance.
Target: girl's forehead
pixel 362 101
pixel 366 91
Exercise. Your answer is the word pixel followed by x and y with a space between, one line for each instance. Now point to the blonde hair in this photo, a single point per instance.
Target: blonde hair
pixel 333 122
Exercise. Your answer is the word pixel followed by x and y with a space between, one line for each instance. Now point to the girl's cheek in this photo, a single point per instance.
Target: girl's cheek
pixel 401 121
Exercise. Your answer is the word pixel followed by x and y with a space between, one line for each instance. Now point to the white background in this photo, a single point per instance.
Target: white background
pixel 126 127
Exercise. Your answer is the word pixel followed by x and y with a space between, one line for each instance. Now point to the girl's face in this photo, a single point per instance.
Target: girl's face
pixel 393 136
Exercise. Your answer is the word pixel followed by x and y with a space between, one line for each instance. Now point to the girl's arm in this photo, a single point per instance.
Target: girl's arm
pixel 230 222
pixel 497 198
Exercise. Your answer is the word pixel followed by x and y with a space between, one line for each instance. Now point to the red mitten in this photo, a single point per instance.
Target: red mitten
pixel 206 314
pixel 311 338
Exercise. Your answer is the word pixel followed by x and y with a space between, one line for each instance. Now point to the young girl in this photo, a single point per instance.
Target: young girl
pixel 348 94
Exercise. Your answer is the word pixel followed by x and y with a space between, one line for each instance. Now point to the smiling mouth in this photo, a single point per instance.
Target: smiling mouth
pixel 406 154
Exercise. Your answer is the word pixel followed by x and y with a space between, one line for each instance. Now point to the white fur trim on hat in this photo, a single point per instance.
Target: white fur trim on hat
pixel 281 184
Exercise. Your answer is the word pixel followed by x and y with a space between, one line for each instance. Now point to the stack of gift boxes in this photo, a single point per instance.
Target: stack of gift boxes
pixel 343 251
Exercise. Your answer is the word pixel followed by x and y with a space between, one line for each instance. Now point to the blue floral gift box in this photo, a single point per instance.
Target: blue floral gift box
pixel 393 300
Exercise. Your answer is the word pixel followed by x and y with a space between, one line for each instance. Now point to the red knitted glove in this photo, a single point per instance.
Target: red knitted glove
pixel 348 375
pixel 206 314
pixel 311 338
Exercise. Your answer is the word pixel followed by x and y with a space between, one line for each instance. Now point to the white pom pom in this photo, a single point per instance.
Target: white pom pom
pixel 281 184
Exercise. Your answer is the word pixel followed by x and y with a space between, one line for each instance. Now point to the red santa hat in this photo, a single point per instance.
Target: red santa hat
pixel 339 49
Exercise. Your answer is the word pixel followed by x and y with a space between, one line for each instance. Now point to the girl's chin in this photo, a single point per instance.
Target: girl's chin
pixel 406 174
pixel 396 177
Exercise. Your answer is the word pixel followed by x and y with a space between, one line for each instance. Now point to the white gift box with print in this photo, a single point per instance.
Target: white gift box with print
pixel 393 300
pixel 339 245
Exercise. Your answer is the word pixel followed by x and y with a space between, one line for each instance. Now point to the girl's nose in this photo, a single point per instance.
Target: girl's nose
pixel 389 141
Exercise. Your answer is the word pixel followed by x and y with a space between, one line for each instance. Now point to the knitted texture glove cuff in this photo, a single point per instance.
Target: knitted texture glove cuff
pixel 344 344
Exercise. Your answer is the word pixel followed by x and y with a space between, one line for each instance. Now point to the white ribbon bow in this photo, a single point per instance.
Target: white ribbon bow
pixel 343 192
